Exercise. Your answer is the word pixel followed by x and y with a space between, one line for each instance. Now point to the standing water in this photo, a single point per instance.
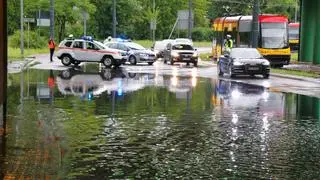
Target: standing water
pixel 117 125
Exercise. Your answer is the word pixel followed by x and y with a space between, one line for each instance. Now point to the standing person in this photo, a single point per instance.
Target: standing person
pixel 51 46
pixel 228 44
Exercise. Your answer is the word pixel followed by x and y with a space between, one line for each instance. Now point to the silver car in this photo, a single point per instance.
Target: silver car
pixel 136 52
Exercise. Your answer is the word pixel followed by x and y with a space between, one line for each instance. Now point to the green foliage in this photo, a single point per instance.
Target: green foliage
pixel 35 41
pixel 133 16
pixel 202 34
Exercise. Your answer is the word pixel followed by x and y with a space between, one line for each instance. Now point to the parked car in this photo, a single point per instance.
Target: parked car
pixel 243 61
pixel 158 48
pixel 136 53
pixel 181 52
pixel 87 50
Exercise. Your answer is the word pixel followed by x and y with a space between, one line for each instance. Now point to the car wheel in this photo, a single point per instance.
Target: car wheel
pixel 220 73
pixel 66 74
pixel 150 63
pixel 66 60
pixel 266 76
pixel 232 75
pixel 107 61
pixel 76 62
pixel 132 60
pixel 107 74
pixel 195 64
pixel 132 75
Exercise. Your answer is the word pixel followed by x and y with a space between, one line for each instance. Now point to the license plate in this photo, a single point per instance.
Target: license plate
pixel 253 68
pixel 186 59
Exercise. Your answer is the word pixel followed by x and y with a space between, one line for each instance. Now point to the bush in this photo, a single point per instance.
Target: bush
pixel 35 41
pixel 202 34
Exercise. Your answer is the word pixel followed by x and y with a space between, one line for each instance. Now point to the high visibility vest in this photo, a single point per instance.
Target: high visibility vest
pixel 51 45
pixel 229 44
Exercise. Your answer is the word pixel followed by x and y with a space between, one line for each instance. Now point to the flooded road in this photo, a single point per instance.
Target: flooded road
pixel 115 124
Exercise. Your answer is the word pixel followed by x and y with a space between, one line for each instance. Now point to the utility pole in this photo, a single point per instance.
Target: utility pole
pixel 190 20
pixel 21 29
pixel 255 23
pixel 114 19
pixel 52 19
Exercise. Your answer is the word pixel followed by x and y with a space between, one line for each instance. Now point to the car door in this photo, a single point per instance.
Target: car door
pixel 79 51
pixel 92 53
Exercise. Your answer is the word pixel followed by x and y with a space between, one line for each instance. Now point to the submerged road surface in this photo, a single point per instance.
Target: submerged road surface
pixel 158 122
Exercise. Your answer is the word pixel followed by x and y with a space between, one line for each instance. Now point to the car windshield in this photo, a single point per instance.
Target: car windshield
pixel 182 47
pixel 134 46
pixel 293 33
pixel 245 54
pixel 274 35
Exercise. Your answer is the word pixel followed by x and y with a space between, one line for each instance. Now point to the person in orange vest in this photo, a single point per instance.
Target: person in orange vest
pixel 51 46
pixel 51 85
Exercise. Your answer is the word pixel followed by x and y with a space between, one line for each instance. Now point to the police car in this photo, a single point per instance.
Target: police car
pixel 75 51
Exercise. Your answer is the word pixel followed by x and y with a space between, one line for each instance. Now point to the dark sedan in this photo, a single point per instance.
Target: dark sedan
pixel 243 61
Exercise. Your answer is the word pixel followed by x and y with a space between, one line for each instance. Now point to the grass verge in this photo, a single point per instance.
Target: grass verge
pixel 205 56
pixel 15 54
pixel 295 73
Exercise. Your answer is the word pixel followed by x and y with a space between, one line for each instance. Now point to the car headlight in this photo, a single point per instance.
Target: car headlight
pixel 143 55
pixel 237 63
pixel 174 54
pixel 266 63
pixel 195 55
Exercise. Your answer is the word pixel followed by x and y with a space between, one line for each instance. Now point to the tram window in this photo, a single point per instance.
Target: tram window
pixel 245 39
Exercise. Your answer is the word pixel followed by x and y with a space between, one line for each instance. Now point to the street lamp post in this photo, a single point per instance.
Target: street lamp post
pixel 255 23
pixel 154 31
pixel 85 18
pixel 190 20
pixel 52 19
pixel 296 12
pixel 114 19
pixel 21 29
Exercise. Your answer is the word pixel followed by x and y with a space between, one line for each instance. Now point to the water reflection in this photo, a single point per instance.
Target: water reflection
pixel 113 124
pixel 84 84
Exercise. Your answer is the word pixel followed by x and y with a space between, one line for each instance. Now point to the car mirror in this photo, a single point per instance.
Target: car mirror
pixel 195 49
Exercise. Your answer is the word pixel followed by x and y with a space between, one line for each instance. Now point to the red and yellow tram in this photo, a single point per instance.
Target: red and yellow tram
pixel 273 36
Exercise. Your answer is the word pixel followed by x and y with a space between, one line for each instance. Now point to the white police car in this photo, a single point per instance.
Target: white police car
pixel 75 51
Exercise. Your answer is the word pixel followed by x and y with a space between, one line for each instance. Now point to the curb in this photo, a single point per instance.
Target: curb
pixel 299 78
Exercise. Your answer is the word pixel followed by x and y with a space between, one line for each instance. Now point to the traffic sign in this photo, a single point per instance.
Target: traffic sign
pixel 183 19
